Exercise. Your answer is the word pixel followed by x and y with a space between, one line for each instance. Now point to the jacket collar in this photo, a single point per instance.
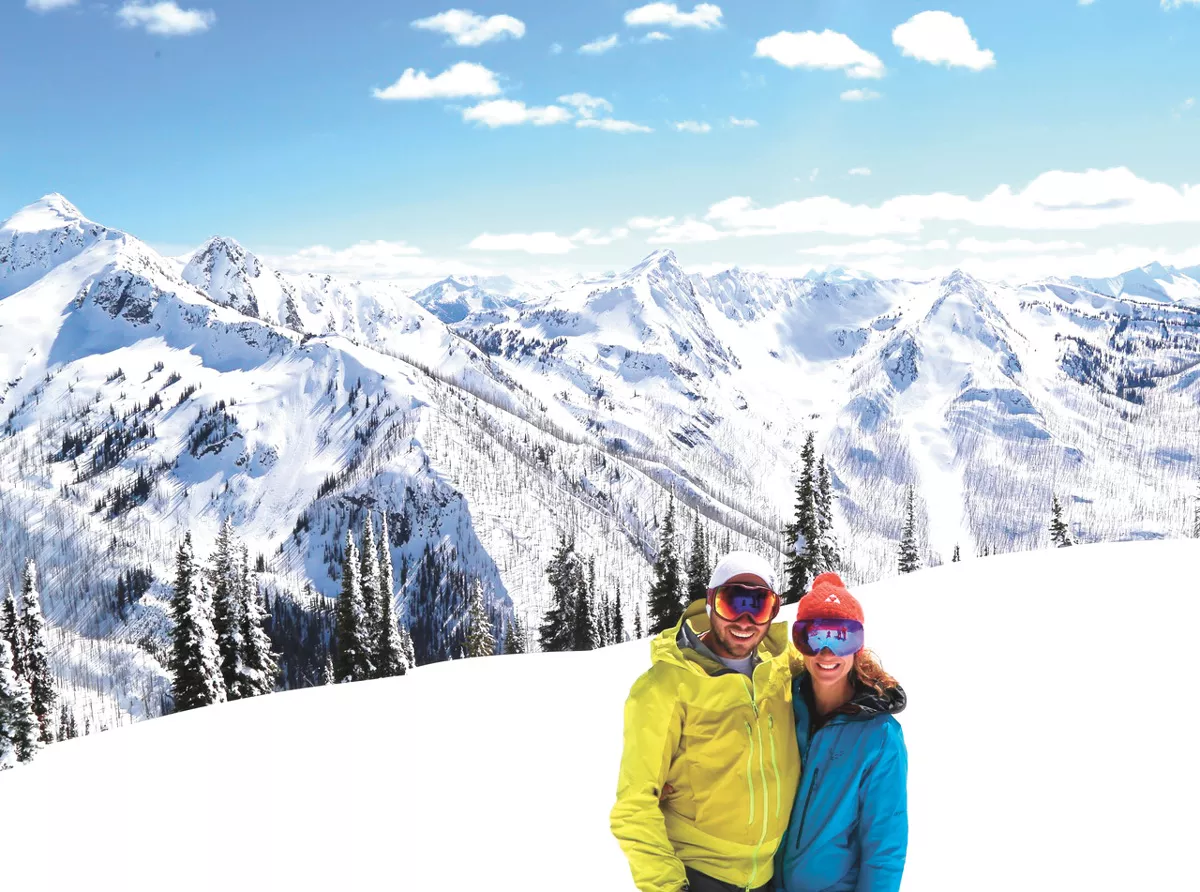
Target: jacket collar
pixel 672 645
pixel 865 704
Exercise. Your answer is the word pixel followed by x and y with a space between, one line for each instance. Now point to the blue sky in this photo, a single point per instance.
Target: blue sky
pixel 267 121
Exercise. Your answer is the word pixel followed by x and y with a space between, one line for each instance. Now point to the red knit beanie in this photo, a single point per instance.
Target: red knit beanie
pixel 829 599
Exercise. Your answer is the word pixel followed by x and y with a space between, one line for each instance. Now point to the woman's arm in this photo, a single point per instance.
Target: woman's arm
pixel 883 815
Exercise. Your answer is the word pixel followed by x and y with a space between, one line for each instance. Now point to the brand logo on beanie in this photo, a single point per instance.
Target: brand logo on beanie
pixel 833 599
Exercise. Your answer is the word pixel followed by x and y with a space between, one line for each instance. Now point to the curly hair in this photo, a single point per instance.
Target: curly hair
pixel 869 671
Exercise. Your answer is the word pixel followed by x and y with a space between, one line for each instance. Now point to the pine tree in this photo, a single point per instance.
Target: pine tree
pixel 803 534
pixel 195 660
pixel 328 676
pixel 831 560
pixel 955 558
pixel 665 604
pixel 637 623
pixel 1196 520
pixel 37 654
pixel 585 634
pixel 481 642
pixel 258 669
pixel 369 583
pixel 557 632
pixel 618 619
pixel 227 619
pixel 909 559
pixel 514 637
pixel 407 648
pixel 698 570
pixel 353 663
pixel 10 631
pixel 18 723
pixel 1060 537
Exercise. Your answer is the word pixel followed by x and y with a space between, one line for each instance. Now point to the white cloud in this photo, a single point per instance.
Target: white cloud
pixel 943 39
pixel 742 122
pixel 1014 246
pixel 829 50
pixel 687 231
pixel 613 125
pixel 595 237
pixel 860 171
pixel 692 126
pixel 166 18
pixel 703 16
pixel 529 242
pixel 656 37
pixel 49 5
pixel 466 28
pixel 812 177
pixel 511 112
pixel 873 247
pixel 860 95
pixel 375 260
pixel 650 222
pixel 460 80
pixel 555 49
pixel 1177 4
pixel 586 105
pixel 600 45
pixel 1086 2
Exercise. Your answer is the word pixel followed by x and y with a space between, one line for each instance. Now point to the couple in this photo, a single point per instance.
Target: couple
pixel 750 765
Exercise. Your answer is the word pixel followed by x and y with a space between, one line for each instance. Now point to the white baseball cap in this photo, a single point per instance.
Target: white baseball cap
pixel 738 562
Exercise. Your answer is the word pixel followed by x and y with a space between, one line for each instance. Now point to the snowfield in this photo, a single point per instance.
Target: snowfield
pixel 1046 732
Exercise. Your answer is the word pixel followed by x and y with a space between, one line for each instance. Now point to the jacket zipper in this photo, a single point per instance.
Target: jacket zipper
pixel 774 764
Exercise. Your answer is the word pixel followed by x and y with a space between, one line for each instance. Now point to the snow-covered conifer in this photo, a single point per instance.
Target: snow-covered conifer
pixel 354 648
pixel 1060 536
pixel 18 723
pixel 698 569
pixel 258 669
pixel 481 641
pixel 369 583
pixel 665 604
pixel 618 618
pixel 802 537
pixel 37 654
pixel 195 660
pixel 222 575
pixel 956 557
pixel 10 631
pixel 908 558
pixel 557 632
pixel 514 637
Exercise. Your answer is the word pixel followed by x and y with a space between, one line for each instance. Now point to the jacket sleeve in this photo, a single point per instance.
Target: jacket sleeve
pixel 653 725
pixel 883 816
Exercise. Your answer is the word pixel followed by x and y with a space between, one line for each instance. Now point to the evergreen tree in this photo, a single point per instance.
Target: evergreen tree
pixel 481 642
pixel 1060 537
pixel 18 723
pixel 195 660
pixel 369 582
pixel 67 729
pixel 407 648
pixel 617 623
pixel 1196 520
pixel 227 619
pixel 328 676
pixel 10 631
pixel 514 637
pixel 37 654
pixel 584 635
pixel 557 632
pixel 353 663
pixel 637 623
pixel 956 558
pixel 831 560
pixel 909 559
pixel 258 669
pixel 665 602
pixel 698 570
pixel 803 535
pixel 390 653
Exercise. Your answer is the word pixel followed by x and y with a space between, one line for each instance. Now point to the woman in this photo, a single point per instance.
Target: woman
pixel 849 825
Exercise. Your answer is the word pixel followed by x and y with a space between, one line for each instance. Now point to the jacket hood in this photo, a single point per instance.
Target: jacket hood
pixel 866 702
pixel 665 646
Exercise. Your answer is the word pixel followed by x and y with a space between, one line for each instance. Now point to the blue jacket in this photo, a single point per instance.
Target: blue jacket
pixel 849 826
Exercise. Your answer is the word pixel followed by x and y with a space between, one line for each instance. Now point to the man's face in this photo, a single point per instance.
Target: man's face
pixel 737 639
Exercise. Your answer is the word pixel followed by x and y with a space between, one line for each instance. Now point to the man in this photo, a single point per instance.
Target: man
pixel 710 764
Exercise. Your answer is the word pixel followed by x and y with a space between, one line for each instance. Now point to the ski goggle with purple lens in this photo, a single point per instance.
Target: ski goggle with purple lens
pixel 844 637
pixel 732 601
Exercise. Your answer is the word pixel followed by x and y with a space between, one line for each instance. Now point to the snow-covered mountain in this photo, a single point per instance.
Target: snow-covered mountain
pixel 142 397
pixel 995 803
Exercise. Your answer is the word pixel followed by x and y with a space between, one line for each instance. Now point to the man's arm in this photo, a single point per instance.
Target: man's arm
pixel 652 727
pixel 883 816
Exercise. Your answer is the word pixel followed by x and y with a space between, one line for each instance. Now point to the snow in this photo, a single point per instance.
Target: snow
pixel 1047 752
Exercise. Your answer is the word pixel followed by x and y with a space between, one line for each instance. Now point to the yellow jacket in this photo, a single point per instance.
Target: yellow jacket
pixel 727 747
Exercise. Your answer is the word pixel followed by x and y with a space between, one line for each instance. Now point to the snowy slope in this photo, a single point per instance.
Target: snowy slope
pixel 1024 730
pixel 488 416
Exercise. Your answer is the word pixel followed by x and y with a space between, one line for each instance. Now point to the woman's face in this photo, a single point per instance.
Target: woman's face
pixel 828 670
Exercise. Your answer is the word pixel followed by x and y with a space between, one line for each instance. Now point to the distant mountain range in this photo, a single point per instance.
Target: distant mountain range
pixel 486 416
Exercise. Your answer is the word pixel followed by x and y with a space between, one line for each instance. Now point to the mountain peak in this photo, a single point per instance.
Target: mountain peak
pixel 662 260
pixel 49 212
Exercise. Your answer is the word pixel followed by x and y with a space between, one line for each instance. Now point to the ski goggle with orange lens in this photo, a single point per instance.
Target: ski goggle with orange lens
pixel 731 602
pixel 844 637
